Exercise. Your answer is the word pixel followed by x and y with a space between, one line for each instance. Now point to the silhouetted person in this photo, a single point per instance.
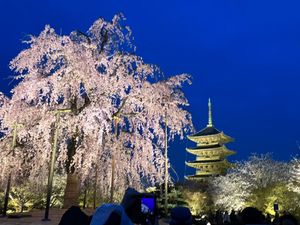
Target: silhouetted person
pixel 132 204
pixel 110 214
pixel 74 216
pixel 252 215
pixel 114 218
pixel 287 220
pixel 233 218
pixel 276 219
pixel 239 217
pixel 268 218
pixel 181 216
pixel 219 218
pixel 226 218
pixel 211 218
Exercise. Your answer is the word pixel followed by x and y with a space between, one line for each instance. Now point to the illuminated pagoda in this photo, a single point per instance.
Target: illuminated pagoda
pixel 210 151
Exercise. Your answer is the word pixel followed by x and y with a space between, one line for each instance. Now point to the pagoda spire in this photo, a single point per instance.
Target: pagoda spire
pixel 210 124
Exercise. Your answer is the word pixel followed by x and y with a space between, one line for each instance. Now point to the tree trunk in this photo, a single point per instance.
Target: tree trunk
pixel 72 191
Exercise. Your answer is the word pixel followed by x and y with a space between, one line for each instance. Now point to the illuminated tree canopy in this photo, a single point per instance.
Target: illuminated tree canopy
pixel 240 187
pixel 295 175
pixel 116 103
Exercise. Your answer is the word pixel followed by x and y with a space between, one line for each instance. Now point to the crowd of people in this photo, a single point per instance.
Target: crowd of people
pixel 249 215
pixel 129 213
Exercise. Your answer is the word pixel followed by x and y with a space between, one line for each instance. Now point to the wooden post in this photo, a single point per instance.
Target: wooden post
pixel 6 199
pixel 166 165
pixel 52 162
pixel 116 120
pixel 84 197
pixel 95 189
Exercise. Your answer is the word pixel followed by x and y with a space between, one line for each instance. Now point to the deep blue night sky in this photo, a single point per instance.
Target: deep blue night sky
pixel 243 54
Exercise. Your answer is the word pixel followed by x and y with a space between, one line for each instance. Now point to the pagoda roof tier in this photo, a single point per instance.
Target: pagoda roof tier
pixel 220 150
pixel 209 130
pixel 206 146
pixel 210 139
pixel 199 176
pixel 200 164
pixel 210 172
pixel 196 177
pixel 205 161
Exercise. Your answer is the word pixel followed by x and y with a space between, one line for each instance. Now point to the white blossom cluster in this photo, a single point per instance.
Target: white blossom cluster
pixel 107 99
pixel 295 175
pixel 233 190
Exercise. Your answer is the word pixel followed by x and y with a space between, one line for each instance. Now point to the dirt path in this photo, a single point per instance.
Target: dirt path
pixel 36 218
pixel 38 215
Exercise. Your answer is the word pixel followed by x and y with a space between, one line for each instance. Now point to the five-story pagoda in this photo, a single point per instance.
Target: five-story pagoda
pixel 210 151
